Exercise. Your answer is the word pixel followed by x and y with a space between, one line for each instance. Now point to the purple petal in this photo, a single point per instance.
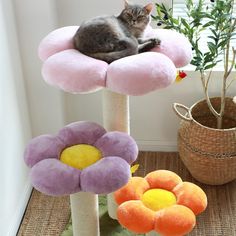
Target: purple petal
pixel 83 132
pixel 118 144
pixel 54 178
pixel 105 176
pixel 42 147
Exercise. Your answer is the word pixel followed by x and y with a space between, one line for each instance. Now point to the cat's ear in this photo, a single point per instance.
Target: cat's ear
pixel 149 7
pixel 126 3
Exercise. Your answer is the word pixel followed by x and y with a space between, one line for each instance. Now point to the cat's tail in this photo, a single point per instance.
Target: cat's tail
pixel 115 55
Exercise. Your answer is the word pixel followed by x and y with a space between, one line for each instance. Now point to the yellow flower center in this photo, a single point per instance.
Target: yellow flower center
pixel 80 156
pixel 156 199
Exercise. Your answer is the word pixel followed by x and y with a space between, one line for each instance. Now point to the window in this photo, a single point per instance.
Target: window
pixel 179 10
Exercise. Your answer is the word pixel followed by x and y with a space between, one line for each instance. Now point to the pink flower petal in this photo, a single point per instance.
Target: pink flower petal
pixel 173 44
pixel 140 74
pixel 57 41
pixel 74 72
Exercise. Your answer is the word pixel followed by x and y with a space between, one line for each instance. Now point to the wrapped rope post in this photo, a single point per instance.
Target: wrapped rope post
pixel 116 116
pixel 85 214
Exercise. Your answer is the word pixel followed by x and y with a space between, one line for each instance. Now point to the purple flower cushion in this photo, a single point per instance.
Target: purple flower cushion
pixel 55 161
pixel 66 68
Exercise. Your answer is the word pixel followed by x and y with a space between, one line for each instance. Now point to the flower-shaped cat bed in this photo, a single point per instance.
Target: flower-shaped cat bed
pixel 161 202
pixel 81 157
pixel 74 72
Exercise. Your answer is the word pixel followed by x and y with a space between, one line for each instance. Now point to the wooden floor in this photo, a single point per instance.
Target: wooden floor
pixel 48 216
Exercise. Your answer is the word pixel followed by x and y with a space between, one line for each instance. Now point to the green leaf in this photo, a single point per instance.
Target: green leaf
pixel 211 46
pixel 208 57
pixel 175 21
pixel 208 24
pixel 209 66
pixel 184 22
pixel 222 44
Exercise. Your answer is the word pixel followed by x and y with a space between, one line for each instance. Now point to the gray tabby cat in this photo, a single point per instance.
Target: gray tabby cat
pixel 109 38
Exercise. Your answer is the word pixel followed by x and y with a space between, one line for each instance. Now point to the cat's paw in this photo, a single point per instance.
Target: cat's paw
pixel 155 41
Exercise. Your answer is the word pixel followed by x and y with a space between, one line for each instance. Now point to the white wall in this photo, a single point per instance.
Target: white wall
pixel 35 19
pixel 14 126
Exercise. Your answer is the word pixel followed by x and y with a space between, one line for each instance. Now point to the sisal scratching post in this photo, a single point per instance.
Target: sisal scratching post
pixel 85 215
pixel 115 117
pixel 116 111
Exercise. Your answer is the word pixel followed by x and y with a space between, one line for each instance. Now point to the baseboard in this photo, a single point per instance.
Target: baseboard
pixel 19 213
pixel 156 145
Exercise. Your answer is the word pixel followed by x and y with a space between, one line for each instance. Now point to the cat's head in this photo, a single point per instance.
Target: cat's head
pixel 136 16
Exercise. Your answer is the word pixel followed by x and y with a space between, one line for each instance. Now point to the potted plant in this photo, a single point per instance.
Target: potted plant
pixel 207 134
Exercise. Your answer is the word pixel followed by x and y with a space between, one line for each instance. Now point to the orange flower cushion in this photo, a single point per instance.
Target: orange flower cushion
pixel 162 202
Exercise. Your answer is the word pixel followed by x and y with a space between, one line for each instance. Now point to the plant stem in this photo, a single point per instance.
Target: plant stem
pixel 222 105
pixel 205 88
pixel 224 86
pixel 230 83
pixel 208 79
pixel 232 63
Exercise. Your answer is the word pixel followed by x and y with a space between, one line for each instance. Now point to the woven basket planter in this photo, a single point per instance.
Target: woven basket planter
pixel 207 152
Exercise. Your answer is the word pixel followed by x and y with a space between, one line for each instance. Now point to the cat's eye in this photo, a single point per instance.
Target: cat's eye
pixel 141 17
pixel 129 16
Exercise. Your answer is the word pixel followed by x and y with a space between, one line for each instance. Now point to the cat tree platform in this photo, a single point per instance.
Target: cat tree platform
pixel 82 160
pixel 66 68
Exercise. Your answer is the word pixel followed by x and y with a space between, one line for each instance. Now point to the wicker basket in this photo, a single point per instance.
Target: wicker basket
pixel 208 153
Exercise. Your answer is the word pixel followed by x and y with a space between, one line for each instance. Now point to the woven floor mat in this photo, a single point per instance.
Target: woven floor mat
pixel 45 216
pixel 48 216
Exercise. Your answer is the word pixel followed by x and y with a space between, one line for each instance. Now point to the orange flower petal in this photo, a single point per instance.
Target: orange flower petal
pixel 191 196
pixel 134 216
pixel 176 220
pixel 164 179
pixel 133 190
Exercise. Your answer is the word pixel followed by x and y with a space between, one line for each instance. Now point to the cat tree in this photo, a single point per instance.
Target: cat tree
pixel 67 69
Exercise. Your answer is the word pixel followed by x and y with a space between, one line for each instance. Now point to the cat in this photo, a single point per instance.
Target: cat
pixel 109 38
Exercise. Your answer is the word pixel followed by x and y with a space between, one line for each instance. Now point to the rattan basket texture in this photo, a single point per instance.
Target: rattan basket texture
pixel 208 153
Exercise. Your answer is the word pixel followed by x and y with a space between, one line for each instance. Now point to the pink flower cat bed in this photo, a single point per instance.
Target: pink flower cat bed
pixel 74 72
